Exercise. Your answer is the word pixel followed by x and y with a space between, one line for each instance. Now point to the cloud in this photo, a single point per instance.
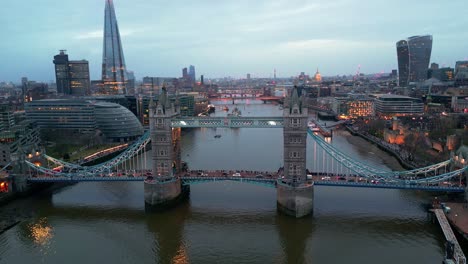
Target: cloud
pixel 98 34
pixel 90 34
pixel 330 44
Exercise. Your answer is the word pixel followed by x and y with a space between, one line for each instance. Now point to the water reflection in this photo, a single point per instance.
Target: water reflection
pixel 167 228
pixel 41 232
pixel 294 236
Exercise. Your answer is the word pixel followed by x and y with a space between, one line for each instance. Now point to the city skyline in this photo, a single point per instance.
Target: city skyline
pixel 253 37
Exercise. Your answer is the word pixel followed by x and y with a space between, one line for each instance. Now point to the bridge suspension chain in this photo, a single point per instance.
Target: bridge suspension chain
pixel 395 177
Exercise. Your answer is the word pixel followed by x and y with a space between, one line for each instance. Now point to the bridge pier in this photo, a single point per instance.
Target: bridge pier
pixel 160 195
pixel 296 201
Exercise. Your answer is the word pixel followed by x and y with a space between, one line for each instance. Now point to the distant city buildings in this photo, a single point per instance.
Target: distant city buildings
pixel 445 74
pixel 413 55
pixel 114 71
pixel 461 73
pixel 17 137
pixel 72 77
pixel 390 105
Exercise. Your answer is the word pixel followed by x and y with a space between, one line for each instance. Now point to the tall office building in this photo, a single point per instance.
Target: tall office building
pixel 413 55
pixel 72 77
pixel 114 71
pixel 185 74
pixel 191 73
pixel 461 73
pixel 62 76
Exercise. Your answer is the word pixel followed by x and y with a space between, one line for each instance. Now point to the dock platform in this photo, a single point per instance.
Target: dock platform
pixel 459 256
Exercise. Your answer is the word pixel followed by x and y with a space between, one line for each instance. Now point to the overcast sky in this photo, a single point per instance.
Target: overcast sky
pixel 229 37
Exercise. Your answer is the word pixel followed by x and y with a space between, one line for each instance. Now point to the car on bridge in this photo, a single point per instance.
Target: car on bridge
pixel 259 176
pixel 326 178
pixel 236 174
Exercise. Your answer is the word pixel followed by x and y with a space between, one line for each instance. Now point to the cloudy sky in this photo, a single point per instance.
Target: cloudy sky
pixel 229 37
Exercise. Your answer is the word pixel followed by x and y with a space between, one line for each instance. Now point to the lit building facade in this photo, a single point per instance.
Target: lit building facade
pixel 114 71
pixel 72 77
pixel 414 55
pixel 461 73
pixel 346 107
pixel 116 122
pixel 390 105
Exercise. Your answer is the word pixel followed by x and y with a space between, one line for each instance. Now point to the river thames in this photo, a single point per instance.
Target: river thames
pixel 228 222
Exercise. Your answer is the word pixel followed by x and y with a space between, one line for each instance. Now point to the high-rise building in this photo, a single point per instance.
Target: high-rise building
pixel 184 74
pixel 414 55
pixel 62 75
pixel 434 66
pixel 461 73
pixel 403 62
pixel 114 71
pixel 191 73
pixel 72 77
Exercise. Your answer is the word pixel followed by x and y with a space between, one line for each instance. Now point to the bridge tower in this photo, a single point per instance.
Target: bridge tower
pixel 164 189
pixel 295 192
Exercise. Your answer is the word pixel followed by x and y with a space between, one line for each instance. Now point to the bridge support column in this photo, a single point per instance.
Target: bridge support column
pixel 160 195
pixel 296 201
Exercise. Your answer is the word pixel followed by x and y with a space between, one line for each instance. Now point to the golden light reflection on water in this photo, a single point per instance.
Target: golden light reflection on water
pixel 181 257
pixel 41 232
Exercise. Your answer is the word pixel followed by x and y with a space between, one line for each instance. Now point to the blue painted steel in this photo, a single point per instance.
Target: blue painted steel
pixel 229 122
pixel 395 177
pixel 391 186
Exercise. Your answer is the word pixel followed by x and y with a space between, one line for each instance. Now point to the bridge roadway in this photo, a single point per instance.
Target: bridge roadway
pixel 265 178
pixel 229 122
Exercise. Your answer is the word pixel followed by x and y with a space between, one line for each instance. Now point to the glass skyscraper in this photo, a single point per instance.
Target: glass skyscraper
pixel 191 73
pixel 403 62
pixel 414 55
pixel 72 77
pixel 114 71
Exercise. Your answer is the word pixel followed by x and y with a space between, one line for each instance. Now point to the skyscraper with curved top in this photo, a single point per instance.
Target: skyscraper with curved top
pixel 114 71
pixel 414 55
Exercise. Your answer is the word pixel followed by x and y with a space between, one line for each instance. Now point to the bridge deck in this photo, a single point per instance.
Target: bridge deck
pixel 268 179
pixel 449 236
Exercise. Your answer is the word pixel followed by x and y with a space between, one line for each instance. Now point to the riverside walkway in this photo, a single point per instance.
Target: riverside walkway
pixel 459 257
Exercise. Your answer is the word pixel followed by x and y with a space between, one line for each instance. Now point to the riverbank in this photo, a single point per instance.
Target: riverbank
pixel 458 218
pixel 392 150
pixel 9 213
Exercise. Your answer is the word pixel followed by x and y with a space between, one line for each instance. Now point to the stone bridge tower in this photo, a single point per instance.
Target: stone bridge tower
pixel 164 189
pixel 295 192
pixel 160 115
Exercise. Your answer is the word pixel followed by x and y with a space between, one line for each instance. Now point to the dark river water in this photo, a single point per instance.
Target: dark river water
pixel 229 222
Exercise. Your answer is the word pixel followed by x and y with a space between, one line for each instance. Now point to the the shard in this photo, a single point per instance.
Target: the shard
pixel 114 71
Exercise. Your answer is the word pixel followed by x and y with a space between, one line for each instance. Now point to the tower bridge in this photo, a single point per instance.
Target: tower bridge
pixel 166 182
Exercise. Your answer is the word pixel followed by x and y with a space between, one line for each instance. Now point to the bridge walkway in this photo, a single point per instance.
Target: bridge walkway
pixel 450 236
